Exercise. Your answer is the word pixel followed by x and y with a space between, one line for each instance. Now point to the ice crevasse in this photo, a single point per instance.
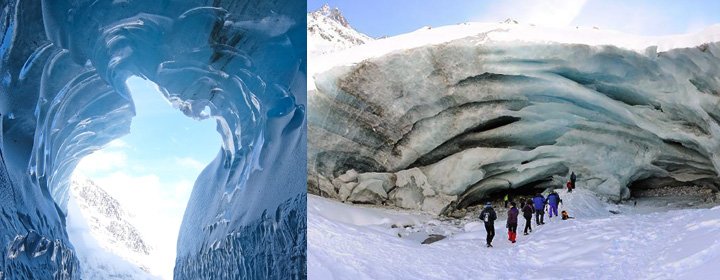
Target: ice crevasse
pixel 63 95
pixel 443 117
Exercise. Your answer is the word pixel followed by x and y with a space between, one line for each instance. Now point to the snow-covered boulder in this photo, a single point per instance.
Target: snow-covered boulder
pixel 326 188
pixel 370 191
pixel 414 177
pixel 350 176
pixel 388 179
pixel 437 204
pixel 409 197
pixel 345 190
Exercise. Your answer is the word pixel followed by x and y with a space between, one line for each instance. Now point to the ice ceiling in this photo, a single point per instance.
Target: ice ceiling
pixel 63 95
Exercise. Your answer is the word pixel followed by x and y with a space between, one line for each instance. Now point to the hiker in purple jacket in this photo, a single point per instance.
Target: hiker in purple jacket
pixel 528 210
pixel 512 222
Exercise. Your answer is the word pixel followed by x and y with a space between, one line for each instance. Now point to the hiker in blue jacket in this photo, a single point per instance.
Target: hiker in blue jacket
pixel 539 203
pixel 553 200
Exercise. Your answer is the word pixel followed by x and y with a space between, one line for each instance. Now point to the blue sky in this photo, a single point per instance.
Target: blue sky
pixel 151 171
pixel 644 17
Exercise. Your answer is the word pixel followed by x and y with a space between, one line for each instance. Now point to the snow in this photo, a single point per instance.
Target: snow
pixel 669 244
pixel 122 231
pixel 96 262
pixel 508 32
pixel 332 210
pixel 328 32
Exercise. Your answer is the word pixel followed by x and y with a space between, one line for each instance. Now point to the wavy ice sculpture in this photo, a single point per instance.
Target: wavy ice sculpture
pixel 63 95
pixel 451 115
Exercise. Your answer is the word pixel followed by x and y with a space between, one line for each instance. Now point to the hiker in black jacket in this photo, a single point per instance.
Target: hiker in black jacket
pixel 488 216
pixel 528 210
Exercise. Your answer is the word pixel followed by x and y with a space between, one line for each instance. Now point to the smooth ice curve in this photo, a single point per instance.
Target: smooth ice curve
pixel 63 96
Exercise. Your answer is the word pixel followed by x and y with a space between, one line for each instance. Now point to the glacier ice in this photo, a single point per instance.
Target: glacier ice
pixel 478 115
pixel 64 95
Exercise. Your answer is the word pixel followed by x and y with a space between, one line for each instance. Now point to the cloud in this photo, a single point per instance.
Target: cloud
pixel 102 160
pixel 541 12
pixel 138 168
pixel 117 143
pixel 190 163
pixel 134 192
pixel 183 190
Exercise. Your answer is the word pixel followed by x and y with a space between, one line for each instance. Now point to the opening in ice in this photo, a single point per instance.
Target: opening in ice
pixel 132 194
pixel 66 96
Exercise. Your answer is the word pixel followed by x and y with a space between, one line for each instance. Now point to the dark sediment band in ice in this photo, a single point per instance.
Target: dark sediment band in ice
pixel 469 120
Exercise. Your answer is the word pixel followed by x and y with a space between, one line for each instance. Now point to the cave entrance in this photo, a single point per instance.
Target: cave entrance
pixel 150 173
pixel 668 193
pixel 521 193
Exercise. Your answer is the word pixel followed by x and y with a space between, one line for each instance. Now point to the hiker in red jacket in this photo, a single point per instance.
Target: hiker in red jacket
pixel 512 222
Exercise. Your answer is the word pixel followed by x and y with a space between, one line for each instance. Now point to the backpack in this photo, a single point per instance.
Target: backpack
pixel 485 216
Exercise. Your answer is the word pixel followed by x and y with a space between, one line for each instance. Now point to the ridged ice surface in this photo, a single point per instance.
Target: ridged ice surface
pixel 253 250
pixel 63 95
pixel 479 116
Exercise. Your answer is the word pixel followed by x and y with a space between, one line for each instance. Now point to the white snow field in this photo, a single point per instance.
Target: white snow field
pixel 353 242
pixel 96 262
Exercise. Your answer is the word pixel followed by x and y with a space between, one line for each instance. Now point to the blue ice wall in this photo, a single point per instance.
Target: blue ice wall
pixel 63 95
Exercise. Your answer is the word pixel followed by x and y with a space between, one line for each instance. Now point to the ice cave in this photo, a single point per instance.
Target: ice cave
pixel 63 95
pixel 439 119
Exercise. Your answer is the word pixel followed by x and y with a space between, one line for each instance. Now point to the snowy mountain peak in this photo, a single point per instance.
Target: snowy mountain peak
pixel 109 222
pixel 510 21
pixel 329 31
pixel 334 14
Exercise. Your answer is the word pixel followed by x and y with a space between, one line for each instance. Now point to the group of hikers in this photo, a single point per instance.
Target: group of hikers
pixel 535 205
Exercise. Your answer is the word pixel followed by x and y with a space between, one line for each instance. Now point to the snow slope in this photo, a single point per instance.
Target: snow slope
pixel 110 224
pixel 97 262
pixel 328 31
pixel 675 244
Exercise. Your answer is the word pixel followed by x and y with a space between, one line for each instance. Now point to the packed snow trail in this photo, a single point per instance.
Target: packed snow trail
pixel 676 244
